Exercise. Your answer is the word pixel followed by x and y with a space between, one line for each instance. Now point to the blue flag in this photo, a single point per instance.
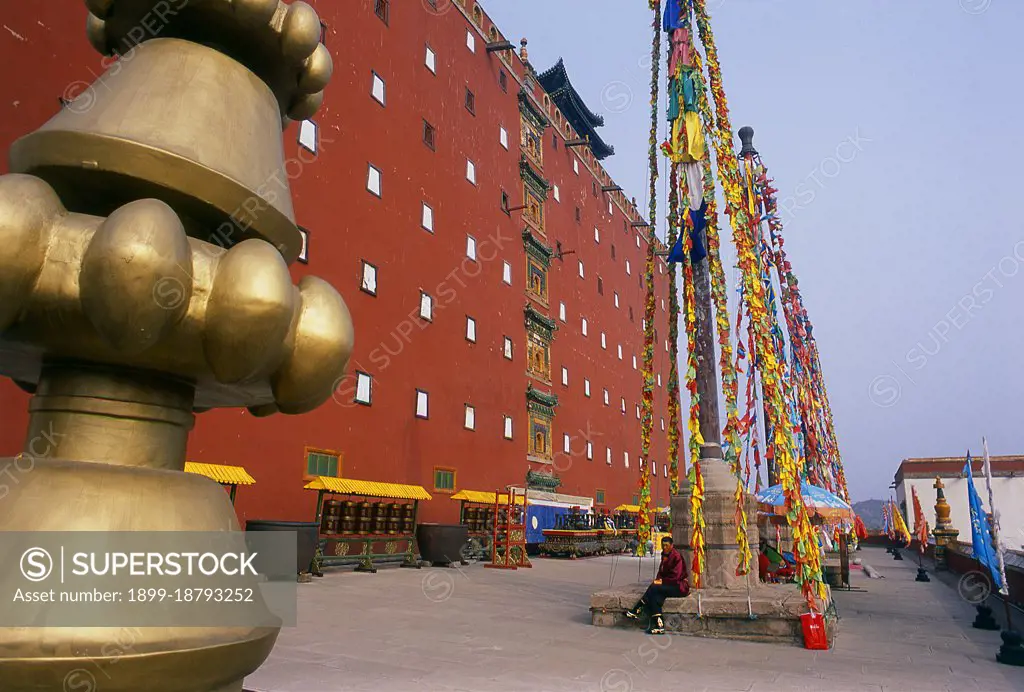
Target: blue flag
pixel 981 533
pixel 697 251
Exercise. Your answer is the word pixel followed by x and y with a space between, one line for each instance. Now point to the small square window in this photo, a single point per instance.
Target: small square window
pixel 584 326
pixel 576 166
pixel 638 241
pixel 444 480
pixel 630 313
pixel 606 400
pixel 634 362
pixel 308 135
pixel 429 136
pixel 508 348
pixel 627 267
pixel 369 282
pixel 620 351
pixel 664 468
pixel 561 311
pixel 663 304
pixel 625 459
pixel 364 388
pixel 577 214
pixel 586 387
pixel 470 101
pixel 558 196
pixel 565 376
pixel 470 330
pixel 323 33
pixel 503 137
pixel 508 427
pixel 470 422
pixel 608 456
pixel 554 142
pixel 604 341
pixel 382 8
pixel 597 235
pixel 600 286
pixel 503 80
pixel 428 218
pixel 662 423
pixel 616 299
pixel 426 307
pixel 566 443
pixel 666 345
pixel 304 248
pixel 470 41
pixel 581 269
pixel 470 171
pixel 422 410
pixel 593 188
pixel 506 273
pixel 638 411
pixel 373 181
pixel 377 90
pixel 431 60
pixel 599 497
pixel 590 451
pixel 609 208
pixel 613 252
pixel 470 247
pixel 659 379
pixel 623 407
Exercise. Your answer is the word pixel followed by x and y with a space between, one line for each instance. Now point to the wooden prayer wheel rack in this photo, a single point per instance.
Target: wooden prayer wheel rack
pixel 477 512
pixel 364 521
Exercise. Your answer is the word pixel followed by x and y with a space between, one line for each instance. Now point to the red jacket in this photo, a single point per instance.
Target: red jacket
pixel 673 571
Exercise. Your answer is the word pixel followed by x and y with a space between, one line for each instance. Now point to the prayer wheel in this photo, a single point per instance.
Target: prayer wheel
pixel 348 517
pixel 380 518
pixel 407 519
pixel 331 517
pixel 394 518
pixel 365 524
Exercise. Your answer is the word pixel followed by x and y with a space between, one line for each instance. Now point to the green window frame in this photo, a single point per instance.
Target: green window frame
pixel 444 479
pixel 322 463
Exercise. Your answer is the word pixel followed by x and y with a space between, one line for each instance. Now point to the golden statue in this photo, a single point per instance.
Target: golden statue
pixel 147 231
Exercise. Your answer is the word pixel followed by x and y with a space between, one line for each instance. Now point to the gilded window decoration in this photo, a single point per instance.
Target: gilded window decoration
pixel 540 436
pixel 539 333
pixel 533 122
pixel 541 409
pixel 538 261
pixel 534 212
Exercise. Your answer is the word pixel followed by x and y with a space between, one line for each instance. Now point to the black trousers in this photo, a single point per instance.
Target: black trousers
pixel 654 597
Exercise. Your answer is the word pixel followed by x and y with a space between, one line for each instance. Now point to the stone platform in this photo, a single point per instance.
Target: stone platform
pixel 772 613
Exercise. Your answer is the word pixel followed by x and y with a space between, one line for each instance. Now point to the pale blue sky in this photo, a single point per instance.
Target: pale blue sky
pixel 891 241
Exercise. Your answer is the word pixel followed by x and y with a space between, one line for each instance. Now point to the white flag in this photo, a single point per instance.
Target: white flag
pixel 995 520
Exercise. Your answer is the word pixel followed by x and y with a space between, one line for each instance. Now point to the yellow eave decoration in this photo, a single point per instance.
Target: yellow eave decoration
pixel 483 497
pixel 349 486
pixel 635 509
pixel 228 475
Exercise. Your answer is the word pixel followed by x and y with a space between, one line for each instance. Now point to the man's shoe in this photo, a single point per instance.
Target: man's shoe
pixel 657 625
pixel 636 612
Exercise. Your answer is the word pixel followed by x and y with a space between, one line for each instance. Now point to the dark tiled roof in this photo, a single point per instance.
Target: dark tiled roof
pixel 556 82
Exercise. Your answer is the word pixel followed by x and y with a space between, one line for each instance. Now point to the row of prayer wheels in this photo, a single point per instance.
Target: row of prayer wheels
pixel 481 519
pixel 354 518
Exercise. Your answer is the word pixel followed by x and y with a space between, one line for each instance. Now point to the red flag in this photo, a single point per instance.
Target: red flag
pixel 858 526
pixel 920 523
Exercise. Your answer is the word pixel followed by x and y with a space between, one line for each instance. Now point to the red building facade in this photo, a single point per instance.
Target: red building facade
pixel 493 273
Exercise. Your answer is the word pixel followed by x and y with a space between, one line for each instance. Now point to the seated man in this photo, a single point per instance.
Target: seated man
pixel 672 582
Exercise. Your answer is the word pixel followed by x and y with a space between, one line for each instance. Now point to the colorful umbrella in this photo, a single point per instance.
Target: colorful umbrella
pixel 819 502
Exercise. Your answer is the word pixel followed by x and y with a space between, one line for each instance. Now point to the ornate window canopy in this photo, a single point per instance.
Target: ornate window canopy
pixel 539 324
pixel 534 181
pixel 532 112
pixel 536 249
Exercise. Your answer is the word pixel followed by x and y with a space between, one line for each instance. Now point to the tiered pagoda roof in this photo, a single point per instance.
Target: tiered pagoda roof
pixel 556 82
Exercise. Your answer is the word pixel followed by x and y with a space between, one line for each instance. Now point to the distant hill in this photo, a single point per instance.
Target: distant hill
pixel 870 512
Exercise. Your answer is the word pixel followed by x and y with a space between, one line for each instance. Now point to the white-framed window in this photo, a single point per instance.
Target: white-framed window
pixel 616 299
pixel 426 307
pixel 627 268
pixel 666 345
pixel 374 180
pixel 659 379
pixel 584 326
pixel 506 273
pixel 623 407
pixel 586 387
pixel 619 349
pixel 470 423
pixel 558 197
pixel 561 311
pixel 565 376
pixel 304 250
pixel 428 218
pixel 364 388
pixel 503 137
pixel 609 207
pixel 664 469
pixel 308 135
pixel 661 270
pixel 662 423
pixel 470 171
pixel 654 469
pixel 581 269
pixel 663 304
pixel 377 89
pixel 606 401
pixel 590 450
pixel 566 443
pixel 604 341
pixel 597 235
pixel 422 410
pixel 507 350
pixel 625 459
pixel 369 281
pixel 638 240
pixel 638 411
pixel 470 247
pixel 430 60
pixel 608 456
pixel 470 41
pixel 634 362
pixel 508 427
pixel 644 327
pixel 470 329
pixel 576 166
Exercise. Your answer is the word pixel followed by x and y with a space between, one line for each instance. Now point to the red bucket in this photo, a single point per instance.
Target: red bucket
pixel 814 631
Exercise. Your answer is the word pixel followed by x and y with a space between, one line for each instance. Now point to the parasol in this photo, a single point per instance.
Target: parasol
pixel 819 502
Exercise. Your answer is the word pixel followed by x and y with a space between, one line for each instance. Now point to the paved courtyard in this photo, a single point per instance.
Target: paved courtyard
pixel 471 628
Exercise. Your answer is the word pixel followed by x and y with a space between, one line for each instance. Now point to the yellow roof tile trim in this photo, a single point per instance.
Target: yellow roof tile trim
pixel 228 475
pixel 349 486
pixel 484 497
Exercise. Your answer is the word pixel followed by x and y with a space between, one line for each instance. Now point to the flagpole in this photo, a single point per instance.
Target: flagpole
pixel 1004 588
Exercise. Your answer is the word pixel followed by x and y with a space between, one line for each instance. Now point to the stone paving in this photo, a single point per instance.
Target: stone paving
pixel 470 628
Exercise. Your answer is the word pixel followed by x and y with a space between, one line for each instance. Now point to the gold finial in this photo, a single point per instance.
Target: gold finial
pixel 523 54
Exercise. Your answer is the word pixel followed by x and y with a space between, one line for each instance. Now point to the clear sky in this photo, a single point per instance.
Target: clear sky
pixel 908 246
